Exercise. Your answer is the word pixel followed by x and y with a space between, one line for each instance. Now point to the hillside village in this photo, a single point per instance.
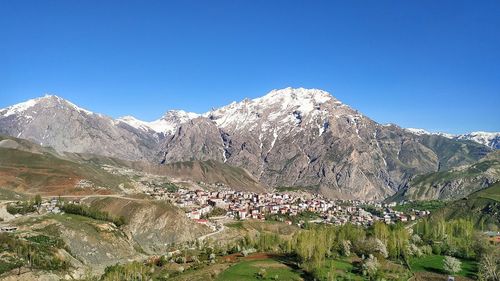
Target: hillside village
pixel 199 204
pixel 212 208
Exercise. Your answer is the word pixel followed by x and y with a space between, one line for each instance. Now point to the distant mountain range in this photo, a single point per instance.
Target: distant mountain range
pixel 486 138
pixel 288 138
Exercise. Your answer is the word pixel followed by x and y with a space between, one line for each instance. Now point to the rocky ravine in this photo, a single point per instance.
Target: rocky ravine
pixel 289 137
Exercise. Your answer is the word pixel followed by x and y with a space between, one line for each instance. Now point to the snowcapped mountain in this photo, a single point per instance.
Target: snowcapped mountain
pixel 489 139
pixel 306 137
pixel 171 121
pixel 56 122
pixel 288 137
pixel 20 109
pixel 136 123
pixel 419 132
pixel 168 124
pixel 286 106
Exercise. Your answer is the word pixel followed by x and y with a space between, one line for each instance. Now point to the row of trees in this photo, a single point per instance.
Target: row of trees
pixel 453 238
pixel 91 212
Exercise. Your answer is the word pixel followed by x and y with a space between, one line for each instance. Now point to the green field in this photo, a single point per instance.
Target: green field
pixel 342 270
pixel 434 263
pixel 248 270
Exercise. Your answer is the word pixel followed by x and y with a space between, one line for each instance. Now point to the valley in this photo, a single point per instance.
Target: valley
pixel 288 137
pixel 249 140
pixel 294 185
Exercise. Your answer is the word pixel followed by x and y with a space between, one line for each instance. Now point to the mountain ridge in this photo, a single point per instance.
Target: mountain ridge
pixel 288 137
pixel 490 139
pixel 165 124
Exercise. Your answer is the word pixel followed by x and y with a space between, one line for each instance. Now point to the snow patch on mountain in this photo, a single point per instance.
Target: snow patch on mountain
pixel 285 106
pixel 490 139
pixel 171 121
pixel 168 124
pixel 74 106
pixel 19 108
pixel 417 131
pixel 136 123
pixel 299 99
pixel 22 108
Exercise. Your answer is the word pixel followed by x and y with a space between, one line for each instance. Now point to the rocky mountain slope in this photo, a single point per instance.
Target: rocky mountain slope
pixel 289 137
pixel 212 174
pixel 481 207
pixel 55 122
pixel 455 183
pixel 301 137
pixel 26 167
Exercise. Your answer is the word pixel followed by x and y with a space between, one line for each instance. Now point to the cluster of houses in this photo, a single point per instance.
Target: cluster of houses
pixel 50 206
pixel 248 205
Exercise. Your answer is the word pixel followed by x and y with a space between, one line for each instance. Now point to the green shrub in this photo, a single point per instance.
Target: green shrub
pixel 22 207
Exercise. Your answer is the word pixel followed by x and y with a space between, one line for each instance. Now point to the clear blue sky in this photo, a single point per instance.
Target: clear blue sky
pixel 428 64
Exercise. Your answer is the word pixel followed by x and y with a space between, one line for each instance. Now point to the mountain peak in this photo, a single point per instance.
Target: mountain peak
pixel 134 122
pixel 301 99
pixel 51 96
pixel 170 121
pixel 298 94
pixel 46 101
pixel 181 114
pixel 288 105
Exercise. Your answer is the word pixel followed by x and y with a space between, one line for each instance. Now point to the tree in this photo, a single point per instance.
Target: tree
pixel 398 242
pixel 452 265
pixel 370 267
pixel 346 248
pixel 262 273
pixel 38 200
pixel 489 267
pixel 381 231
pixel 381 248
